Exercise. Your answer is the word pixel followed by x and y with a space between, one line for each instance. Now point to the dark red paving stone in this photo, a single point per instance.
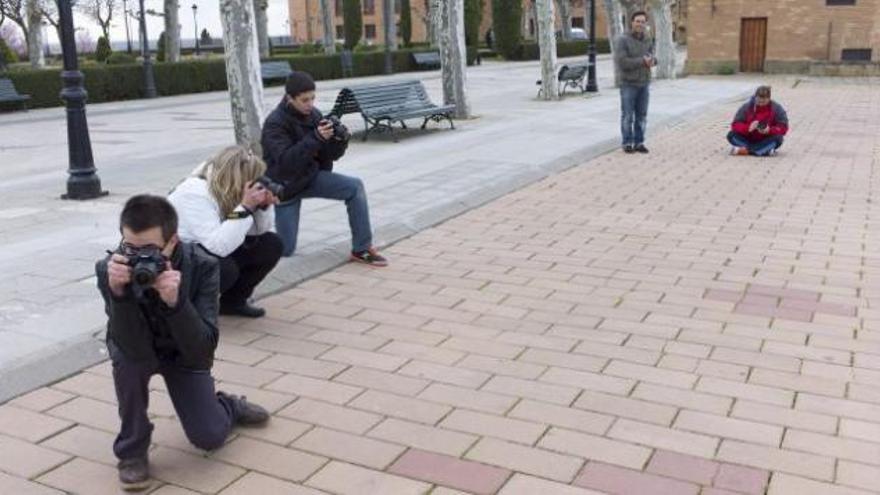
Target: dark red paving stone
pixel 448 471
pixel 751 309
pixel 805 304
pixel 836 309
pixel 780 292
pixel 742 479
pixel 683 467
pixel 619 481
pixel 723 295
pixel 760 300
pixel 793 314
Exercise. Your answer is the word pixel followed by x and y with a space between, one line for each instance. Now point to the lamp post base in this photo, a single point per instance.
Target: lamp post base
pixel 84 187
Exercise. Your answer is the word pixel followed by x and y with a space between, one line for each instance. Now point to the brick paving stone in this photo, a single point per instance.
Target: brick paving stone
pixel 446 374
pixel 315 388
pixel 302 366
pixel 357 357
pixel 294 347
pixel 480 479
pixel 620 481
pixel 424 437
pixel 841 448
pixel 788 461
pixel 742 479
pixel 278 430
pixel 254 482
pixel 683 467
pixel 381 380
pixel 29 425
pixel 858 475
pixel 686 399
pixel 784 416
pixel 349 448
pixel 595 447
pixel 82 476
pixel 468 399
pixel 20 486
pixel 564 360
pixel 627 408
pixel 420 411
pixel 192 471
pixel 521 484
pixel 348 479
pixel 566 417
pixel 41 399
pixel 785 484
pixel 97 414
pixel 531 389
pixel 494 426
pixel 529 460
pixel 85 442
pixel 422 352
pixel 713 424
pixel 664 438
pixel 269 459
pixel 330 415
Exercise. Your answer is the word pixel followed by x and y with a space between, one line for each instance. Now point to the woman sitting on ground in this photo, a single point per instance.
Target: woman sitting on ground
pixel 224 208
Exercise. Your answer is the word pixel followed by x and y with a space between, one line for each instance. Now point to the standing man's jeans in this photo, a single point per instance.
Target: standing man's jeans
pixel 207 418
pixel 758 148
pixel 328 185
pixel 633 113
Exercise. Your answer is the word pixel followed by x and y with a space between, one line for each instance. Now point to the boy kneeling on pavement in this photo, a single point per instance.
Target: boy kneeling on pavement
pixel 758 126
pixel 161 298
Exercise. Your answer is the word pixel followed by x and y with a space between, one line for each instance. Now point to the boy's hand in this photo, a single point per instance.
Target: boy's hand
pixel 753 126
pixel 118 274
pixel 168 285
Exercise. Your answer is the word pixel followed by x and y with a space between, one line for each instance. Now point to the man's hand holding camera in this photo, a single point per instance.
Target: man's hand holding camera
pixel 256 196
pixel 325 130
pixel 759 126
pixel 119 276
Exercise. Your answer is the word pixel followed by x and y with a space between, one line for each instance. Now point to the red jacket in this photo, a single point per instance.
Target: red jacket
pixel 773 114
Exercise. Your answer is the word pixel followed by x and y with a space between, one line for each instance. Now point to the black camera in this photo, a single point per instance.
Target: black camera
pixel 273 186
pixel 340 132
pixel 762 125
pixel 145 265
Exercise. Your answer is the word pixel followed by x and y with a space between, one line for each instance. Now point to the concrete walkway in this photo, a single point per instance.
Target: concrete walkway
pixel 49 309
pixel 679 323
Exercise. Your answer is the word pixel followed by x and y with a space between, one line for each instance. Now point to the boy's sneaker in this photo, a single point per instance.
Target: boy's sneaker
pixel 739 151
pixel 369 257
pixel 641 148
pixel 246 413
pixel 628 148
pixel 134 474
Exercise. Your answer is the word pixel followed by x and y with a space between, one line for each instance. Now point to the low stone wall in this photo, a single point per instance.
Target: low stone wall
pixel 813 68
pixel 842 69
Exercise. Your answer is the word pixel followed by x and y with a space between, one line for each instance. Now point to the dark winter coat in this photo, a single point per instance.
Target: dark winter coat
pixel 148 330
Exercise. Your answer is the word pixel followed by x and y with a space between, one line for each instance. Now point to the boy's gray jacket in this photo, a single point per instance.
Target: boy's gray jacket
pixel 629 53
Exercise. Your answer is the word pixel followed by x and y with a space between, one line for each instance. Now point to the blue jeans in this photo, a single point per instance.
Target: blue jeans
pixel 760 148
pixel 633 113
pixel 328 185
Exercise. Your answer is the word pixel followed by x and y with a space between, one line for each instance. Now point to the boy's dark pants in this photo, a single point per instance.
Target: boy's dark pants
pixel 206 417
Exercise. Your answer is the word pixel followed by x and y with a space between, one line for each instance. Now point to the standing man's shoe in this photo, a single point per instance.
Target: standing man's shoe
pixel 628 148
pixel 134 474
pixel 369 257
pixel 641 148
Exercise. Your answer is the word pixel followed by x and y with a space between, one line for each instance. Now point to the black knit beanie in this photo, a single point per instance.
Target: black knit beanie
pixel 299 82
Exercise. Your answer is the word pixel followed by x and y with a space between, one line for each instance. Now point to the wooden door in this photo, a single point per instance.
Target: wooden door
pixel 753 44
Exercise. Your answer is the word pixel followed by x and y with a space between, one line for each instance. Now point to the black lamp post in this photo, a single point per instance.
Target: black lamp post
pixel 196 24
pixel 82 181
pixel 591 67
pixel 387 14
pixel 149 79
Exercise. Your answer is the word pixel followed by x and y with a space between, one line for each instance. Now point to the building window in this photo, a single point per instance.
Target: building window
pixel 370 31
pixel 369 7
pixel 834 3
pixel 577 22
pixel 855 55
pixel 340 32
pixel 337 7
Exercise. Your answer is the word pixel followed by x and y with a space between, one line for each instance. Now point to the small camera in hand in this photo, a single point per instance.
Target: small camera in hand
pixel 145 265
pixel 762 125
pixel 340 132
pixel 274 187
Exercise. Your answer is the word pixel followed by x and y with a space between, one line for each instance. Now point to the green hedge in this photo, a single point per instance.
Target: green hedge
pixel 531 51
pixel 125 82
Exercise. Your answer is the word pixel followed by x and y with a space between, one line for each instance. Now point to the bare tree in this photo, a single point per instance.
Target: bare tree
pixel 101 11
pixel 453 56
pixel 547 44
pixel 171 11
pixel 262 22
pixel 35 42
pixel 243 70
pixel 613 15
pixel 565 16
pixel 327 12
pixel 664 49
pixel 14 10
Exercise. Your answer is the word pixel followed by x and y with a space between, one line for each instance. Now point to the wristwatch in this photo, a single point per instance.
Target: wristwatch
pixel 239 212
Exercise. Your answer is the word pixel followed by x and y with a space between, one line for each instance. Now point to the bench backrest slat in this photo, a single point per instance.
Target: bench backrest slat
pixel 383 98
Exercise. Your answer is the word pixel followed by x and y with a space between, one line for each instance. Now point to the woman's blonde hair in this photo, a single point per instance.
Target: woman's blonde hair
pixel 227 173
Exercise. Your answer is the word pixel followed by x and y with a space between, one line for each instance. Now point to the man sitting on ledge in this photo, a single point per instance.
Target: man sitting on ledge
pixel 758 126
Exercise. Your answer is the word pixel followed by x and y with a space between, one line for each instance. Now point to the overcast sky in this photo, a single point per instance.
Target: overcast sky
pixel 208 17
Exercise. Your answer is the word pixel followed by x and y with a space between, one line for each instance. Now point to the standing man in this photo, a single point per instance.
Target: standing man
pixel 634 57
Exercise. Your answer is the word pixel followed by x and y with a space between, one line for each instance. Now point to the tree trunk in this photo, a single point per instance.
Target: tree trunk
pixel 547 44
pixel 262 22
pixel 664 48
pixel 530 19
pixel 243 70
pixel 172 31
pixel 453 56
pixel 565 17
pixel 389 24
pixel 613 13
pixel 434 16
pixel 35 38
pixel 327 21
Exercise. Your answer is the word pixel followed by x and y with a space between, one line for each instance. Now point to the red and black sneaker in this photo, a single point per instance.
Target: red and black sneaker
pixel 369 257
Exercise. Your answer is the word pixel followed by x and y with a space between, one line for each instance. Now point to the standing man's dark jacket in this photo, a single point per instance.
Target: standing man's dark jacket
pixel 149 330
pixel 293 151
pixel 629 54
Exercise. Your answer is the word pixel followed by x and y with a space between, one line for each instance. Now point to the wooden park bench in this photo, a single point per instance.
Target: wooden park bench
pixel 427 60
pixel 8 94
pixel 383 104
pixel 569 76
pixel 270 71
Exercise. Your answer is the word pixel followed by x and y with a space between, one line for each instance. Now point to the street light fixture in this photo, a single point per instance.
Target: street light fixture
pixel 592 86
pixel 82 181
pixel 149 79
pixel 196 24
